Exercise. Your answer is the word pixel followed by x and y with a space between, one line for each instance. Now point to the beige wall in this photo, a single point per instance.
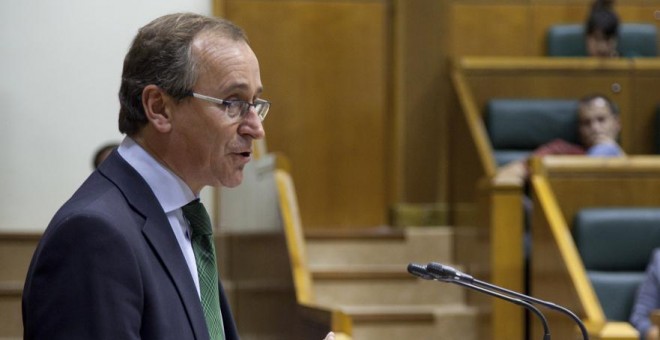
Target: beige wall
pixel 61 64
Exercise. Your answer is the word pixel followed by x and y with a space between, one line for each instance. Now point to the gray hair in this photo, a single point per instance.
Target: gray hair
pixel 161 54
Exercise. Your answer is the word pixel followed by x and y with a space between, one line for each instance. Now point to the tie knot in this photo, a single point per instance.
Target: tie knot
pixel 198 218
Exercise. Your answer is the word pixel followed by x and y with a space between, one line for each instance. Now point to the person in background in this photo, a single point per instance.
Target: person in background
pixel 647 300
pixel 131 255
pixel 602 30
pixel 102 153
pixel 598 128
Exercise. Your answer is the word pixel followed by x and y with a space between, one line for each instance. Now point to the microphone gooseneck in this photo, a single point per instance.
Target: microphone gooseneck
pixel 547 304
pixel 519 302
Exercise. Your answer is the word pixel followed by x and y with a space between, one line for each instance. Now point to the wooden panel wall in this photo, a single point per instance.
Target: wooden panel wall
pixel 420 73
pixel 494 30
pixel 325 67
pixel 518 28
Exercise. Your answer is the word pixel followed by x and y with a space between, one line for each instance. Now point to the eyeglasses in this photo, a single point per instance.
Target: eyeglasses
pixel 238 108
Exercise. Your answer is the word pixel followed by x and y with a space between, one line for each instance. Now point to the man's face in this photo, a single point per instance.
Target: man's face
pixel 598 124
pixel 215 148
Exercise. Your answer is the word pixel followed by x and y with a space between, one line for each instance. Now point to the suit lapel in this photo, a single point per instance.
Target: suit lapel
pixel 167 249
pixel 158 233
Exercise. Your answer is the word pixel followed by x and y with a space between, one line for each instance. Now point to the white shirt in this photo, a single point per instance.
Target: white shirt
pixel 171 192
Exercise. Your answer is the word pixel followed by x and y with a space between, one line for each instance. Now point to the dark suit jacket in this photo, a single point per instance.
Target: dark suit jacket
pixel 109 267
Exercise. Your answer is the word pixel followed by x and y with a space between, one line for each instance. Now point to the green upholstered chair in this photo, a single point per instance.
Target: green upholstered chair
pixel 638 40
pixel 566 40
pixel 518 126
pixel 635 40
pixel 615 244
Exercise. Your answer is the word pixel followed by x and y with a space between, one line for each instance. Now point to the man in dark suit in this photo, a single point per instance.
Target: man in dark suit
pixel 117 261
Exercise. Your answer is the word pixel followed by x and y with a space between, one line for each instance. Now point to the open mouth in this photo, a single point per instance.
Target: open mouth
pixel 245 154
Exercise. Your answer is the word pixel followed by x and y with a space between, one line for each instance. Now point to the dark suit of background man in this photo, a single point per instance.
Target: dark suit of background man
pixel 116 261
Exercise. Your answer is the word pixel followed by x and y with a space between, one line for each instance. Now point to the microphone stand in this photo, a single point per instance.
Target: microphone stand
pixel 457 275
pixel 422 272
pixel 529 306
pixel 547 304
pixel 451 273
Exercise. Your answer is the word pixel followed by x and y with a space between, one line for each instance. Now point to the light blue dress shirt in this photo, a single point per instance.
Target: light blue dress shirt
pixel 605 150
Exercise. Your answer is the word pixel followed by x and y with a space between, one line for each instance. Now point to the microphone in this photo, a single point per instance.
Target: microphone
pixel 419 271
pixel 448 273
pixel 425 272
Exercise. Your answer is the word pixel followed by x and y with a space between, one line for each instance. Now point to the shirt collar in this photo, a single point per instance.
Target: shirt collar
pixel 170 190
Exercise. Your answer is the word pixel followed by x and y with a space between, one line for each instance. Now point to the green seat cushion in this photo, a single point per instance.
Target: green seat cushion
pixel 616 292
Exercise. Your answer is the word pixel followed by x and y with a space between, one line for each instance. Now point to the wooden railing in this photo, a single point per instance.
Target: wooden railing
pixel 316 319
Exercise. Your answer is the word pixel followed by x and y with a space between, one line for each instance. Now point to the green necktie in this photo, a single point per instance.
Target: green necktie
pixel 202 242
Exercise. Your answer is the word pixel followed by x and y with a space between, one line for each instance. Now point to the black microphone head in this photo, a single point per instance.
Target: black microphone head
pixel 438 270
pixel 420 271
pixel 442 272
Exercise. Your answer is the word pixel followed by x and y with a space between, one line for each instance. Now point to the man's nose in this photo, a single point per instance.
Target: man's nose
pixel 252 125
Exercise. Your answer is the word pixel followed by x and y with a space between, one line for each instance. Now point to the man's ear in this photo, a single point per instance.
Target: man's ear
pixel 155 106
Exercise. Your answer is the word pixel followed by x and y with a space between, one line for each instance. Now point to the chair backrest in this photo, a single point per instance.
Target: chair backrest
pixel 635 40
pixel 638 40
pixel 518 126
pixel 566 40
pixel 615 245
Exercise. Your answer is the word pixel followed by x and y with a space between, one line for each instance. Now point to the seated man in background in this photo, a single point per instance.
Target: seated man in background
pixel 648 300
pixel 598 126
pixel 602 30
